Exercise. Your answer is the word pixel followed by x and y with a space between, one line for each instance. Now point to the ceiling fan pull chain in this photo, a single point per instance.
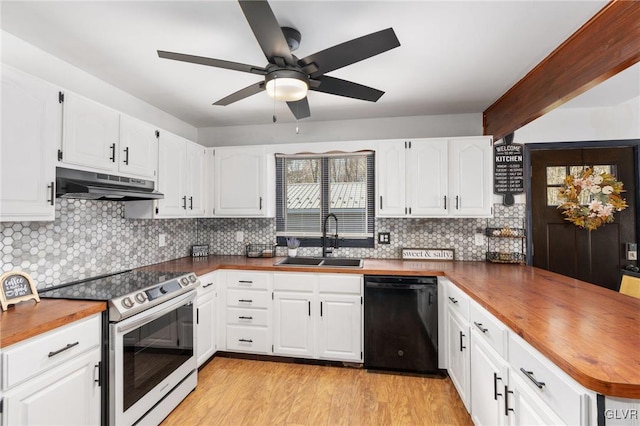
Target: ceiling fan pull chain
pixel 275 86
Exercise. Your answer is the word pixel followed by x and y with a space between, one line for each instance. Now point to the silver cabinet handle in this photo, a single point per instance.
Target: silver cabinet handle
pixel 126 156
pixel 245 300
pixel 113 153
pixel 453 300
pixel 529 375
pixel 69 346
pixel 207 285
pixel 245 340
pixel 461 342
pixel 52 188
pixel 480 327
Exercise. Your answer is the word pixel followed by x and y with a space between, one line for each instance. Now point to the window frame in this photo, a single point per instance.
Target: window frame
pixel 367 241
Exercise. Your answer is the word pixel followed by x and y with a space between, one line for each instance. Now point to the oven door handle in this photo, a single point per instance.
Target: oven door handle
pixel 171 305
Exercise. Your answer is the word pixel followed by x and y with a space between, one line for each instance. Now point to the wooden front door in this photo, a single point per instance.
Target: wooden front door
pixel 560 246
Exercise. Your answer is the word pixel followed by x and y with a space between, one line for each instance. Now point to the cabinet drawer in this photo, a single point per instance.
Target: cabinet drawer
pixel 240 316
pixel 457 300
pixel 340 283
pixel 559 391
pixel 247 339
pixel 294 281
pixel 248 279
pixel 207 284
pixel 38 354
pixel 489 327
pixel 248 299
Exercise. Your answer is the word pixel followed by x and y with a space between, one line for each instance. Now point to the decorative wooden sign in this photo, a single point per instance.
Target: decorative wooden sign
pixel 16 287
pixel 508 169
pixel 427 254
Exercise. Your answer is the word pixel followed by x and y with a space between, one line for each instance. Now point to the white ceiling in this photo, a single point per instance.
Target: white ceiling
pixel 455 56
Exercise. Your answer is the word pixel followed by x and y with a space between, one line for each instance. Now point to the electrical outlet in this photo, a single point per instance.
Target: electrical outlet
pixel 239 236
pixel 479 239
pixel 384 237
pixel 162 240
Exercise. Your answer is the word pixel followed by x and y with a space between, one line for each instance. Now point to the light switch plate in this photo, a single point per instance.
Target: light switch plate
pixel 239 236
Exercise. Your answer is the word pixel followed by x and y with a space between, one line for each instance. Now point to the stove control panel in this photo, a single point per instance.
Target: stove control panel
pixel 150 296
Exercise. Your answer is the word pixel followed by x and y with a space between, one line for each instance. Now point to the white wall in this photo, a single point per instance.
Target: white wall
pixel 32 60
pixel 345 130
pixel 621 121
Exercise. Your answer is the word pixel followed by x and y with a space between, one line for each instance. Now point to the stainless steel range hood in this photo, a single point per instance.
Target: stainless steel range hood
pixel 101 186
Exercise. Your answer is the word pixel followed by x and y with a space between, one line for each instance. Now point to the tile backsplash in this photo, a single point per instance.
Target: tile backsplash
pixel 90 238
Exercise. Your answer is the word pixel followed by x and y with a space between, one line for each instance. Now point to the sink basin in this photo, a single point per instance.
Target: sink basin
pixel 350 263
pixel 329 262
pixel 301 261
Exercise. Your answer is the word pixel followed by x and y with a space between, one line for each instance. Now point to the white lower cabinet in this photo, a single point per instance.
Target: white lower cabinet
pixel 501 379
pixel 489 378
pixel 43 375
pixel 340 324
pixel 293 319
pixel 206 323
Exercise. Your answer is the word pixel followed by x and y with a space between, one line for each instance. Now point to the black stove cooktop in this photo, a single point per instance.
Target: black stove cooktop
pixel 109 287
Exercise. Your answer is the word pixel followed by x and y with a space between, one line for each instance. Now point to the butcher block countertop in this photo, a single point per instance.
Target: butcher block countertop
pixel 29 319
pixel 591 333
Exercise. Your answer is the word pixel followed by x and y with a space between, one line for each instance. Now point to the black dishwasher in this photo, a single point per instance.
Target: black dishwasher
pixel 401 323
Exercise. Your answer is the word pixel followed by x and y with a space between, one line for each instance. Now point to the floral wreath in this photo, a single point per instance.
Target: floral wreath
pixel 604 195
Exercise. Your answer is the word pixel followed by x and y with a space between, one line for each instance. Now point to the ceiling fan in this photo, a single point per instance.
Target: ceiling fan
pixel 288 78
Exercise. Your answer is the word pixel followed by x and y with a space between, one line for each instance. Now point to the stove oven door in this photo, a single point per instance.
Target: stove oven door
pixel 150 354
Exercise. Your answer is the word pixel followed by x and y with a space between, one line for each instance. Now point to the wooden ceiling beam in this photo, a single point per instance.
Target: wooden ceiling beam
pixel 605 45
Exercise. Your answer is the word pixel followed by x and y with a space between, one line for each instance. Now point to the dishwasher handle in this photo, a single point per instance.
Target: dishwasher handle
pixel 395 286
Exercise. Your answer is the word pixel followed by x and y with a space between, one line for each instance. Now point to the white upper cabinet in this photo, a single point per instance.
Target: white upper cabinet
pixel 241 182
pixel 138 148
pixel 96 137
pixel 196 157
pixel 470 177
pixel 31 118
pixel 90 134
pixel 172 165
pixel 434 178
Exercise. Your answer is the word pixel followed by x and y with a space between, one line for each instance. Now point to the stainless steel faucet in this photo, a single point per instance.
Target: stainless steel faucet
pixel 326 250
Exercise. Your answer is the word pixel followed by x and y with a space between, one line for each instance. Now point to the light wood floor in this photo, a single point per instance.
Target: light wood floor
pixel 245 392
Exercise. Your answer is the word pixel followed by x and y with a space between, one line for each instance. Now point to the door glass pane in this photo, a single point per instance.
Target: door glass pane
pixel 552 196
pixel 556 175
pixel 597 170
pixel 576 170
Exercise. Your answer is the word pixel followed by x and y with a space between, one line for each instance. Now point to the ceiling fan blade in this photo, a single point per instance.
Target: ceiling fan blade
pixel 218 63
pixel 300 109
pixel 350 52
pixel 241 94
pixel 267 31
pixel 337 86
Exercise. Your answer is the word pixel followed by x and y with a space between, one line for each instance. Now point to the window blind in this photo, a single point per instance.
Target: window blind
pixel 310 186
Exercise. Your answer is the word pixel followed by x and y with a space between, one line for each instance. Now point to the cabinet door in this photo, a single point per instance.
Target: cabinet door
pixel 458 356
pixel 427 178
pixel 195 179
pixel 470 174
pixel 488 378
pixel 31 117
pixel 138 148
pixel 526 408
pixel 171 176
pixel 239 182
pixel 293 324
pixel 205 328
pixel 90 134
pixel 66 395
pixel 340 327
pixel 390 176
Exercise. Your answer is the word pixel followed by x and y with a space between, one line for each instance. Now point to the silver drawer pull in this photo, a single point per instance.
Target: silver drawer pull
pixel 245 340
pixel 480 327
pixel 245 318
pixel 69 346
pixel 529 375
pixel 245 300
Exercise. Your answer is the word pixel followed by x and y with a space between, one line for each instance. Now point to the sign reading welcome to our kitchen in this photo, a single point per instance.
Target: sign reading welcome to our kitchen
pixel 508 168
pixel 427 254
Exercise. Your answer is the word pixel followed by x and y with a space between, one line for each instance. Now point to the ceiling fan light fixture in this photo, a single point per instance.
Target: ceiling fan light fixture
pixel 289 87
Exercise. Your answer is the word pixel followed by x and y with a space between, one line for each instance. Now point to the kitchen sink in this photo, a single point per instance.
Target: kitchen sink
pixel 329 262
